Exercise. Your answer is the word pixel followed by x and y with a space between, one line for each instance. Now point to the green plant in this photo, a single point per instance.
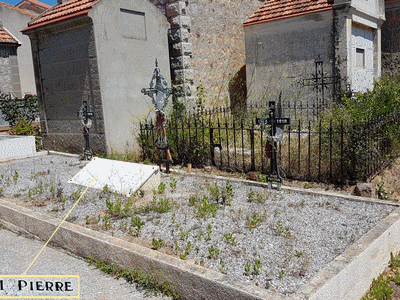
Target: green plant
pixel 106 189
pixel 247 268
pixel 260 198
pixel 381 190
pixel 380 289
pixel 205 208
pixel 52 191
pixel 15 176
pixel 184 235
pixel 150 280
pixel 157 205
pixel 229 238
pixel 75 195
pixel 257 267
pixel 209 232
pixel 14 110
pixel 261 177
pixel 253 221
pixel 281 273
pixel 229 193
pixel 192 201
pixel 157 243
pixel 213 252
pixel 299 254
pixel 173 218
pixel 214 192
pixel 394 261
pixel 250 195
pixel 172 184
pixel 137 223
pixel 107 222
pixel 63 200
pixel 222 268
pixel 161 188
pixel 201 262
pixel 280 230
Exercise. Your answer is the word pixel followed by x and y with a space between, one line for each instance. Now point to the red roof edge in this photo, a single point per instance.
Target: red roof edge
pixel 288 16
pixel 83 12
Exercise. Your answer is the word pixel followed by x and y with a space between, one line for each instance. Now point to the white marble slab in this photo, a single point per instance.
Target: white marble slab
pixel 119 176
pixel 13 146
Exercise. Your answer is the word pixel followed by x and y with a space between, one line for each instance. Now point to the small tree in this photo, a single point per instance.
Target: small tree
pixel 19 109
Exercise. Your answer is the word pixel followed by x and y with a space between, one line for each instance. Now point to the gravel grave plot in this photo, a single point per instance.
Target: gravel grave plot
pixel 277 240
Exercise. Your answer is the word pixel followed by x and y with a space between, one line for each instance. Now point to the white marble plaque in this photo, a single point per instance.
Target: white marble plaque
pixel 119 176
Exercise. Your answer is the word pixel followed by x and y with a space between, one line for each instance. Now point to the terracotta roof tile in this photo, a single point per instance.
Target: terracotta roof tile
pixel 6 38
pixel 44 5
pixel 32 15
pixel 62 11
pixel 280 9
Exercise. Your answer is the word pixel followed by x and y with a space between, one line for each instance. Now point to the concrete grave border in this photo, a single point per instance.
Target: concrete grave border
pixel 347 277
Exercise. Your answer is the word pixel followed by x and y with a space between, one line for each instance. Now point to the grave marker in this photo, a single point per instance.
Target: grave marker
pixel 119 176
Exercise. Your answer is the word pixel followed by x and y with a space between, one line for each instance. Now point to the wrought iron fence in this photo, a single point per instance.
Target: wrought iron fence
pixel 310 150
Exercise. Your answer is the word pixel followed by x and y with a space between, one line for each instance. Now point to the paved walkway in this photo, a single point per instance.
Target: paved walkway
pixel 17 253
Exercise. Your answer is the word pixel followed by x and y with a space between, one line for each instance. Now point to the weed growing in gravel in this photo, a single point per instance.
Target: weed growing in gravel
pixel 157 243
pixel 281 231
pixel 115 209
pixel 260 198
pixel 222 268
pixel 213 252
pixel 161 188
pixel 184 235
pixel 1 192
pixel 281 273
pixel 209 232
pixel 257 266
pixel 253 221
pixel 205 207
pixel 52 191
pixel 123 226
pixel 250 195
pixel 75 195
pixel 214 192
pixel 137 224
pixel 380 289
pixel 15 176
pixel 173 218
pixel 394 261
pixel 187 251
pixel 106 189
pixel 63 200
pixel 247 268
pixel 150 280
pixel 229 238
pixel 107 222
pixel 299 254
pixel 160 206
pixel 201 262
pixel 172 184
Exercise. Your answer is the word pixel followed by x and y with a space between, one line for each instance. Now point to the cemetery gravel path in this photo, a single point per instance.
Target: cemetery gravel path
pixel 17 253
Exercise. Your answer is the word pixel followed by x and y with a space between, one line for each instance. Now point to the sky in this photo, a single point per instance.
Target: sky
pixel 14 2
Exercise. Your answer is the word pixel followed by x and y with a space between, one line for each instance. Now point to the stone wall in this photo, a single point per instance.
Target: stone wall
pixel 217 36
pixel 65 64
pixel 207 45
pixel 280 53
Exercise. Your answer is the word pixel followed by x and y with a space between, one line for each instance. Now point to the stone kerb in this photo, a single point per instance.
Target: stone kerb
pixel 190 281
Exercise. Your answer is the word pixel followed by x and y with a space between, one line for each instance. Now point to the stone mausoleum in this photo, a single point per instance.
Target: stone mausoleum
pixel 284 38
pixel 104 50
pixel 16 67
